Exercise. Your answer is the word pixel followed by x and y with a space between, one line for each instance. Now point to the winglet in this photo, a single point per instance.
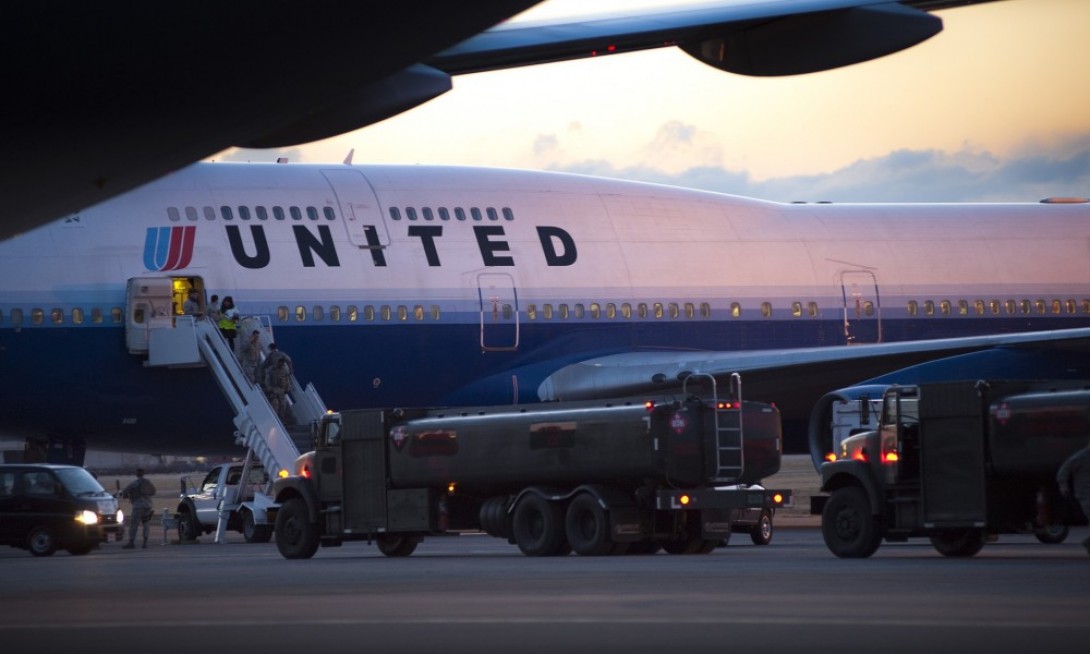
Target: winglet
pixel 348 159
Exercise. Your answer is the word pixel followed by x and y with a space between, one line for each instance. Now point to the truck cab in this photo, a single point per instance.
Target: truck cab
pixel 222 488
pixel 956 462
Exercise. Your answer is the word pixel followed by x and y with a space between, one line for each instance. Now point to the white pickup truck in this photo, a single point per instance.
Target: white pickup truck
pixel 200 505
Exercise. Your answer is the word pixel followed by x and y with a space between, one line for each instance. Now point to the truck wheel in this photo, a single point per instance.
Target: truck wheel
pixel 391 545
pixel 960 544
pixel 40 542
pixel 587 527
pixel 296 535
pixel 848 526
pixel 1053 534
pixel 188 527
pixel 253 532
pixel 538 527
pixel 762 533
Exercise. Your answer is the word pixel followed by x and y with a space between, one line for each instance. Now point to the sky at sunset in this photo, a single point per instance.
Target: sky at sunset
pixel 996 107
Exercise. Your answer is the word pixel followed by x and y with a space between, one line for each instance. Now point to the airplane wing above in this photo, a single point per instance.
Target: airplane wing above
pixel 107 96
pixel 795 379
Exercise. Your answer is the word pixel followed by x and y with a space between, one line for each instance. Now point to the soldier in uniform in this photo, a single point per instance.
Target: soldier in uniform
pixel 250 357
pixel 139 492
pixel 277 385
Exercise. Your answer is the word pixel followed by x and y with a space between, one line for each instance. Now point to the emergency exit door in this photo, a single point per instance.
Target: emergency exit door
pixel 499 312
pixel 359 206
pixel 862 307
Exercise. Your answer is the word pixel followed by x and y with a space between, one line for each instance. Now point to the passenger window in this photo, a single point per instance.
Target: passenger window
pixel 209 213
pixel 1026 306
pixel 435 312
pixel 993 306
pixel 1055 307
pixel 172 214
pixel 1040 305
pixel 262 213
pixel 77 316
pixel 531 311
pixel 913 308
pixel 312 213
pixel 656 310
pixel 611 310
pixel 641 310
pixel 1070 304
pixel 595 310
pixel 385 312
pixel 577 311
pixel 57 316
pixel 812 309
pixel 300 313
pixel 428 215
pixel 929 308
pixel 1086 306
pixel 7 484
pixel 353 313
pixel 690 310
pixel 508 312
pixel 963 307
pixel 410 213
pixel 296 214
pixel 329 213
pixel 459 213
pixel 319 313
pixel 476 213
pixel 562 311
pixel 735 310
pixel 116 315
pixel 418 312
pixel 946 308
pixel 444 214
pixel 547 311
pixel 508 214
pixel 796 309
pixel 705 310
pixel 1011 307
pixel 766 309
pixel 244 213
pixel 978 306
pixel 226 213
pixel 868 308
pixel 626 310
pixel 191 214
pixel 39 483
pixel 675 310
pixel 395 213
pixel 335 313
pixel 368 313
pixel 37 316
pixel 402 312
pixel 17 317
pixel 282 313
pixel 96 316
pixel 278 213
pixel 492 215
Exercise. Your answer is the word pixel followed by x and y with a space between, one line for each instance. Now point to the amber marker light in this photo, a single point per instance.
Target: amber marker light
pixel 649 404
pixel 830 457
pixel 450 488
pixel 892 457
pixel 684 499
pixel 282 474
pixel 777 498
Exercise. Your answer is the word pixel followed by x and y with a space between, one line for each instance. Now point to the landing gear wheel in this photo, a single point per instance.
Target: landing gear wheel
pixel 253 532
pixel 391 545
pixel 762 533
pixel 1053 534
pixel 41 542
pixel 959 544
pixel 188 527
pixel 848 526
pixel 538 527
pixel 296 535
pixel 587 527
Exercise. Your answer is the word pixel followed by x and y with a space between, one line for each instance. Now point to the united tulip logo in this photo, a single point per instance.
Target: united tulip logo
pixel 169 248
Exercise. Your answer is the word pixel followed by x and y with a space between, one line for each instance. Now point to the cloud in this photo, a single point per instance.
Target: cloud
pixel 546 143
pixel 906 175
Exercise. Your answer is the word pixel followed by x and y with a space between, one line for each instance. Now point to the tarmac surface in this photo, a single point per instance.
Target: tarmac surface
pixel 474 593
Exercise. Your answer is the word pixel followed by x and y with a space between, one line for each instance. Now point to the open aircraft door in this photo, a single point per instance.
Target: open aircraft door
pixel 360 209
pixel 499 312
pixel 862 307
pixel 152 302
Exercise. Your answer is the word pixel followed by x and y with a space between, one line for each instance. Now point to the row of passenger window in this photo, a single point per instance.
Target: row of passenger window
pixel 997 307
pixel 246 213
pixel 443 213
pixel 56 316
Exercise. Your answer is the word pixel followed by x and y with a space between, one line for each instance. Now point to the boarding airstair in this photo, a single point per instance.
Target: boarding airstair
pixel 188 341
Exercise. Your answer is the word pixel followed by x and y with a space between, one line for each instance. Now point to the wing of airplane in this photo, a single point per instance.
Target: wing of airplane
pixel 107 96
pixel 796 379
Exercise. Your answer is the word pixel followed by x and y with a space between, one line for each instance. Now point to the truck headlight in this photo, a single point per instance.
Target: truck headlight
pixel 87 517
pixel 120 516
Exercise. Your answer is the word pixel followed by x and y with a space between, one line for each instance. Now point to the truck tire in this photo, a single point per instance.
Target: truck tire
pixel 848 525
pixel 188 527
pixel 1053 534
pixel 392 545
pixel 538 527
pixel 961 543
pixel 587 527
pixel 762 533
pixel 296 536
pixel 253 532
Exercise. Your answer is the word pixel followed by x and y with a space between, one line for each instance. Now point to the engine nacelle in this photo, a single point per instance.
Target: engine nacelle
pixel 840 414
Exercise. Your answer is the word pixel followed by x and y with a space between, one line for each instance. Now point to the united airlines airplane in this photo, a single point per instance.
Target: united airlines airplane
pixel 418 285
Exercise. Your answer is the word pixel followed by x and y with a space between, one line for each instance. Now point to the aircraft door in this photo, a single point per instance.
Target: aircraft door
pixel 862 307
pixel 360 209
pixel 153 302
pixel 499 312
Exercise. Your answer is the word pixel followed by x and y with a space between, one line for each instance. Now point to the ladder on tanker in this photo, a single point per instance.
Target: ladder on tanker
pixel 728 452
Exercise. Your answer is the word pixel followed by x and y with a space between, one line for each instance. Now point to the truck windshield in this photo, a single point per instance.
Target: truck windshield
pixel 905 411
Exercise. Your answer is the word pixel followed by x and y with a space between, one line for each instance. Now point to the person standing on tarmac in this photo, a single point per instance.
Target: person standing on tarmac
pixel 139 492
pixel 1073 478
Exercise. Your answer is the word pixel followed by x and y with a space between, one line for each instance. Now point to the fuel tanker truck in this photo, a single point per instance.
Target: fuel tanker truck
pixel 594 477
pixel 955 462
